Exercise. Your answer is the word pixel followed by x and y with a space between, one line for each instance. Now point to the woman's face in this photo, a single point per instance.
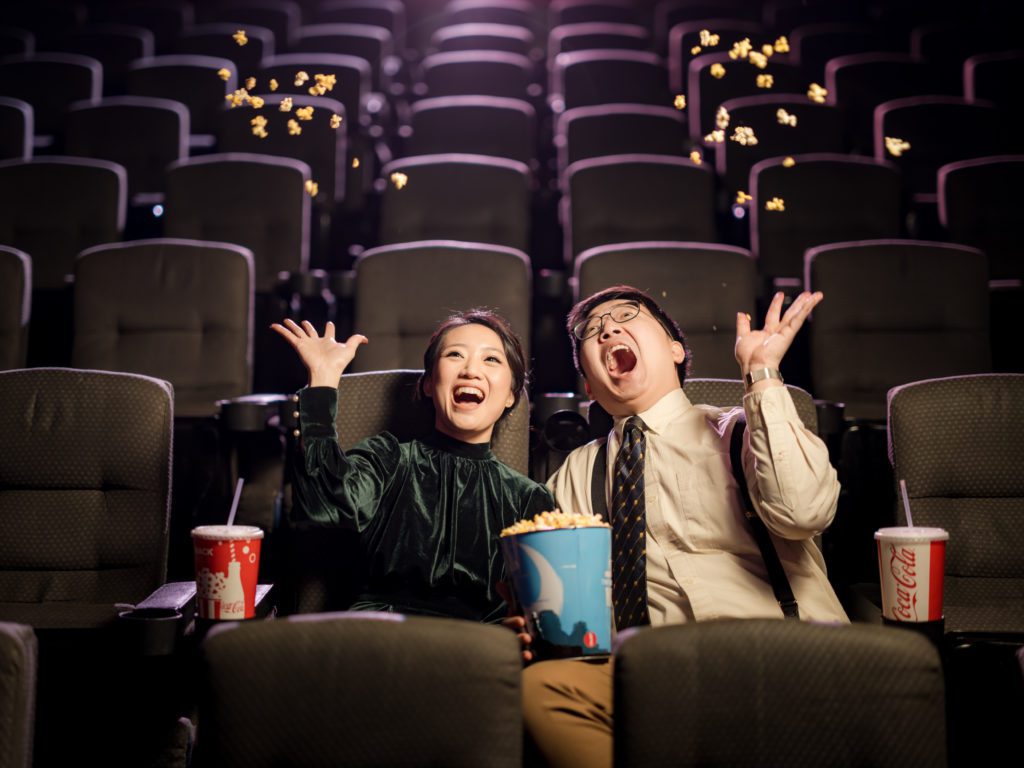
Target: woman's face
pixel 471 385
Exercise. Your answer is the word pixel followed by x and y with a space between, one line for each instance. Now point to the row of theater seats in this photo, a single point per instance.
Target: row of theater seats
pixel 102 443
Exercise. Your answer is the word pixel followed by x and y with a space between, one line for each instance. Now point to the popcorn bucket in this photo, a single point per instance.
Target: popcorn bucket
pixel 911 565
pixel 227 570
pixel 563 581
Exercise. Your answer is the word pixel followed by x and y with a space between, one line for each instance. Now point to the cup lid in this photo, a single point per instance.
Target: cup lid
pixel 233 532
pixel 913 533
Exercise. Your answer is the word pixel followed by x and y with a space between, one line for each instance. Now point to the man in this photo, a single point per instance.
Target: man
pixel 682 547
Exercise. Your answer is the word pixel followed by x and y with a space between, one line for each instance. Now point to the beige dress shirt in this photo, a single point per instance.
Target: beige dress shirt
pixel 702 560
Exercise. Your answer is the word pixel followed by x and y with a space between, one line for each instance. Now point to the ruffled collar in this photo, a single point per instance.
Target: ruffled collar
pixel 441 441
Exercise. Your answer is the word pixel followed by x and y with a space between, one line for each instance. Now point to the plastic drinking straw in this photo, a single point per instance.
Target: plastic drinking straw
pixel 234 502
pixel 906 503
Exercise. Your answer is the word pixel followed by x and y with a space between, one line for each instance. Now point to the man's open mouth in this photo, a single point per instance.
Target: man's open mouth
pixel 620 359
pixel 468 395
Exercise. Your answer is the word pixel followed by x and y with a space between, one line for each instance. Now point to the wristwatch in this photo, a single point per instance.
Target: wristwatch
pixel 760 374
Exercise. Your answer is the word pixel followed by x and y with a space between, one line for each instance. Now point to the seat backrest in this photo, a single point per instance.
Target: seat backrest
pixel 190 79
pixel 16 127
pixel 874 677
pixel 19 653
pixel 140 133
pixel 814 44
pixel 421 681
pixel 257 201
pixel 628 198
pixel 474 198
pixel 217 40
pixel 114 46
pixel 991 77
pixel 404 291
pixel 15 306
pixel 15 41
pixel 591 35
pixel 728 393
pixel 712 15
pixel 608 76
pixel 90 196
pixel 700 285
pixel 980 203
pixel 684 35
pixel 483 37
pixel 371 43
pixel 389 14
pixel 166 19
pixel 281 17
pixel 957 442
pixel 477 73
pixel 478 125
pixel 175 309
pixel 85 469
pixel 352 80
pixel 564 12
pixel 897 311
pixel 50 82
pixel 828 199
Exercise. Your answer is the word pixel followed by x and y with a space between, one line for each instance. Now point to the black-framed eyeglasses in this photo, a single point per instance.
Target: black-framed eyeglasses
pixel 620 313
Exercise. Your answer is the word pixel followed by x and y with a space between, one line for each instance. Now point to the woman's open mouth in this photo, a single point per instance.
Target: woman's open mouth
pixel 620 359
pixel 468 396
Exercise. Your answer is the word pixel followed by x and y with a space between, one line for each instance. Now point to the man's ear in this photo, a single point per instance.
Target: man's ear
pixel 678 353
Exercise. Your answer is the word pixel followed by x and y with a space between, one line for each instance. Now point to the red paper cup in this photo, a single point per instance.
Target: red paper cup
pixel 227 568
pixel 911 564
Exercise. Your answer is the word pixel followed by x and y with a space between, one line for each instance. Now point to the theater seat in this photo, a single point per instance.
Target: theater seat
pixel 15 306
pixel 18 659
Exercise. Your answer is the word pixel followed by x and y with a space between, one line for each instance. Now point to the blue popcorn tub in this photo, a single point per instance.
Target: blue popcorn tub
pixel 563 581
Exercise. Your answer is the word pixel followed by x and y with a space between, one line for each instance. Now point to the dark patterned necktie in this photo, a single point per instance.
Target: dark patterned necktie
pixel 629 522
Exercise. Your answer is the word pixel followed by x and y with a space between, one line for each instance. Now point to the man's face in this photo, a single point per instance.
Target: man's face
pixel 629 366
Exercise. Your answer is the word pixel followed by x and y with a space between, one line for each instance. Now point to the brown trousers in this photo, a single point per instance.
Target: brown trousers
pixel 567 710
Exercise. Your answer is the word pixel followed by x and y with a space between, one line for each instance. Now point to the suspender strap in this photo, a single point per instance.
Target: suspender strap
pixel 599 483
pixel 776 573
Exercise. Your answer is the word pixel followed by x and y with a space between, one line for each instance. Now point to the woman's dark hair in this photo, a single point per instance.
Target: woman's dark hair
pixel 626 293
pixel 511 344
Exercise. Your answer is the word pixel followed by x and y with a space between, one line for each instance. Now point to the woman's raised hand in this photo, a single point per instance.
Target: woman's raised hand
pixel 324 358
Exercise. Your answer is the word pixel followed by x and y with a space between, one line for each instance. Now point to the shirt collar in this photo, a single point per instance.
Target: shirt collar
pixel 458 448
pixel 658 416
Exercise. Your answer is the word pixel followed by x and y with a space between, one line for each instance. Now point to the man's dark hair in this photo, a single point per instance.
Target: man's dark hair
pixel 626 293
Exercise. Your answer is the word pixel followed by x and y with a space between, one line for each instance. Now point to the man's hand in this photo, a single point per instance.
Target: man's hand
pixel 324 358
pixel 515 622
pixel 766 348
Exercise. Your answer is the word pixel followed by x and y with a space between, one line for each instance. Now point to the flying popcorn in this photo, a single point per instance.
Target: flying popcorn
pixel 240 38
pixel 312 187
pixel 335 121
pixel 250 83
pixel 256 102
pixel 238 98
pixel 304 113
pixel 327 82
pixel 765 81
pixel 775 204
pixel 708 39
pixel 717 71
pixel 740 49
pixel 817 94
pixel 695 50
pixel 273 85
pixel 785 118
pixel 294 129
pixel 722 118
pixel 782 45
pixel 286 104
pixel 695 157
pixel 767 49
pixel 896 147
pixel 355 162
pixel 715 137
pixel 788 162
pixel 744 136
pixel 259 126
pixel 679 102
pixel 317 90
pixel 224 74
pixel 554 520
pixel 300 78
pixel 399 179
pixel 742 197
pixel 758 59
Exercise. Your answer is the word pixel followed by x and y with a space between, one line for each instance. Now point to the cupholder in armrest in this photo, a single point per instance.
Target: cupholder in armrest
pixel 150 631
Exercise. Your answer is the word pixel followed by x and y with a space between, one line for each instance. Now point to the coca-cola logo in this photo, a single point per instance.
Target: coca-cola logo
pixel 903 567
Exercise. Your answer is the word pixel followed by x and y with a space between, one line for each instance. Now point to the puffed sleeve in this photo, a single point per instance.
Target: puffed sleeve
pixel 332 486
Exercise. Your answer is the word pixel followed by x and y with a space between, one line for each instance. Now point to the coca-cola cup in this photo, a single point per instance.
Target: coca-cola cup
pixel 227 570
pixel 911 563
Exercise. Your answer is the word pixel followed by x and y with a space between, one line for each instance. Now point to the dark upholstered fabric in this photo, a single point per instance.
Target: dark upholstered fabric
pixel 370 43
pixel 957 442
pixel 460 73
pixel 15 306
pixel 16 127
pixel 114 46
pixel 627 198
pixel 91 198
pixel 609 76
pixel 404 291
pixel 864 201
pixel 475 198
pixel 84 493
pixel 179 310
pixel 676 24
pixel 702 286
pixel 255 201
pixel 192 80
pixel 483 37
pixel 281 18
pixel 216 40
pixel 352 76
pixel 757 693
pixel 50 82
pixel 18 658
pixel 359 690
pixel 481 125
pixel 141 133
pixel 897 311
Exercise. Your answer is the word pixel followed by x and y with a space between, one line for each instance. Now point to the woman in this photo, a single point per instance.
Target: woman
pixel 428 512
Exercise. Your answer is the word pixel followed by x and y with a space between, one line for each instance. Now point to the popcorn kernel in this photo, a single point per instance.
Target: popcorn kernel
pixel 224 74
pixel 256 102
pixel 742 197
pixel 767 49
pixel 285 105
pixel 784 118
pixel 300 78
pixel 399 179
pixel 817 94
pixel 708 39
pixel 335 121
pixel 679 102
pixel 554 520
pixel 765 81
pixel 240 37
pixel 744 136
pixel 715 137
pixel 759 60
pixel 273 85
pixel 312 188
pixel 788 162
pixel 695 157
pixel 896 147
pixel 740 49
pixel 717 71
pixel 304 113
pixel 722 118
pixel 775 204
pixel 250 83
pixel 355 162
pixel 294 129
pixel 695 50
pixel 782 45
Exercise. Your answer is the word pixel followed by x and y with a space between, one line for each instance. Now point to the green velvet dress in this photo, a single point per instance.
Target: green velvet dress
pixel 428 513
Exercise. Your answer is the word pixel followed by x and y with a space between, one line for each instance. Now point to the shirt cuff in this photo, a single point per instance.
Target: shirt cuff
pixel 773 405
pixel 318 408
